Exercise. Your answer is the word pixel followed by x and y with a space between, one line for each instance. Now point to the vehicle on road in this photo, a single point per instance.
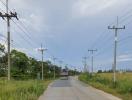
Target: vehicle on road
pixel 64 74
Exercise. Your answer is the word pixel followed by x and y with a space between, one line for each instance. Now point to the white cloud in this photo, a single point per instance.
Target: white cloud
pixel 124 58
pixel 2 40
pixel 91 7
pixel 31 13
pixel 21 49
pixel 37 22
pixel 104 62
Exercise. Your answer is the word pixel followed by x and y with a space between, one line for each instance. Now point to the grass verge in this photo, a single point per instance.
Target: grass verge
pixel 103 81
pixel 22 90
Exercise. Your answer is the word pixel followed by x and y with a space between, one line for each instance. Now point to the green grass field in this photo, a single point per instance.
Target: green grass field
pixel 22 90
pixel 103 81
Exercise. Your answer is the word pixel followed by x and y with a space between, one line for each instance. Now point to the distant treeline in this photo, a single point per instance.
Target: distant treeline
pixel 110 71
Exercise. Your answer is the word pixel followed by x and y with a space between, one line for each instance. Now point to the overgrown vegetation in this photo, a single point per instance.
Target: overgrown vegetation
pixel 22 90
pixel 103 81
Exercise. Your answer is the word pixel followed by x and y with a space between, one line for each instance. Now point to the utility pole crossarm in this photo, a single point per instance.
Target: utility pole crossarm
pixel 6 15
pixel 92 51
pixel 116 27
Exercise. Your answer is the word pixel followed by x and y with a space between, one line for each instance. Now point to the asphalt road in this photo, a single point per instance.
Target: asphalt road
pixel 73 89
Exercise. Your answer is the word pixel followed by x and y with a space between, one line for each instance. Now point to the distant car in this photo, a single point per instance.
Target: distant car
pixel 64 74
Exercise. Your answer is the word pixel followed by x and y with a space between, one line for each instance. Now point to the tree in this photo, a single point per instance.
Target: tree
pixel 20 62
pixel 3 61
pixel 34 67
pixel 100 71
pixel 2 49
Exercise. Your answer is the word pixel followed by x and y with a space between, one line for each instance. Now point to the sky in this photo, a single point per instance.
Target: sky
pixel 68 28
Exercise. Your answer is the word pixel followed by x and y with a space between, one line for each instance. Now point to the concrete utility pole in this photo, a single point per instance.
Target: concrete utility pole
pixel 92 59
pixel 54 59
pixel 85 63
pixel 42 52
pixel 116 28
pixel 60 63
pixel 75 72
pixel 8 17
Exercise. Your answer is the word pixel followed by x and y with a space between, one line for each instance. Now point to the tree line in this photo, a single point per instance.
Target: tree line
pixel 24 67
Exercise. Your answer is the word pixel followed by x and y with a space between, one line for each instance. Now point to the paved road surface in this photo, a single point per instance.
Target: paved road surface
pixel 73 89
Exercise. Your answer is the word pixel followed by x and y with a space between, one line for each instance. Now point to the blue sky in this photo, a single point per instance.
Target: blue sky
pixel 68 28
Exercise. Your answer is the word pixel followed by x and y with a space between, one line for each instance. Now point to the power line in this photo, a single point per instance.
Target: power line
pixel 23 32
pixel 124 15
pixel 15 45
pixel 23 29
pixel 104 50
pixel 30 43
pixel 1 35
pixel 104 42
pixel 20 27
pixel 107 46
pixel 3 2
pixel 24 26
pixel 128 37
pixel 127 17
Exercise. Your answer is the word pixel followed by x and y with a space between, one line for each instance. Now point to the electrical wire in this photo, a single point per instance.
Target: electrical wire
pixel 22 27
